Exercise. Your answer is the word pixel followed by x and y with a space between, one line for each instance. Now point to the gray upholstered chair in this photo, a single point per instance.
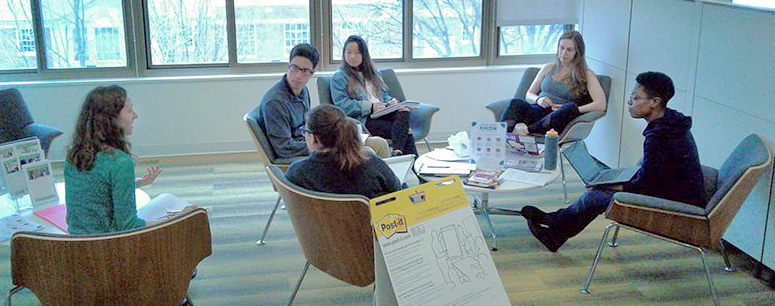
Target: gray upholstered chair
pixel 267 156
pixel 145 266
pixel 686 225
pixel 419 119
pixel 334 231
pixel 16 121
pixel 578 129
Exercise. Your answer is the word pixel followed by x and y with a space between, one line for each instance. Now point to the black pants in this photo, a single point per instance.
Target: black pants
pixel 539 119
pixel 394 126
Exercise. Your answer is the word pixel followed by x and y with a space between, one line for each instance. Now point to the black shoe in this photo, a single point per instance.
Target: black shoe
pixel 532 213
pixel 544 234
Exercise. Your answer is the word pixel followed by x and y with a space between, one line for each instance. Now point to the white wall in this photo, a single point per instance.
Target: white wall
pixel 204 114
pixel 720 59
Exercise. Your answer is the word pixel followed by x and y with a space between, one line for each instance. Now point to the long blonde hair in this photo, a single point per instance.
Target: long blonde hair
pixel 578 72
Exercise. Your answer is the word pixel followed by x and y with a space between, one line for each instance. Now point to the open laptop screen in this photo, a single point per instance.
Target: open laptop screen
pixel 582 161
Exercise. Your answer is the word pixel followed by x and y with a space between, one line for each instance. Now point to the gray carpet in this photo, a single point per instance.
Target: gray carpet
pixel 235 187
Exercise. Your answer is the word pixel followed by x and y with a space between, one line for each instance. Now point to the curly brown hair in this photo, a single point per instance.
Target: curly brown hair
pixel 98 128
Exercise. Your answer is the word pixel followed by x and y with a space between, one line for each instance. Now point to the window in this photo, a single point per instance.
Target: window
pixel 106 41
pixel 247 49
pixel 187 32
pixel 17 38
pixel 68 23
pixel 26 40
pixel 277 26
pixel 295 33
pixel 530 39
pixel 451 28
pixel 379 22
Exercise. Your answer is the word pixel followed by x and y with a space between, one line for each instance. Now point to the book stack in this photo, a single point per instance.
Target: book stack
pixel 483 178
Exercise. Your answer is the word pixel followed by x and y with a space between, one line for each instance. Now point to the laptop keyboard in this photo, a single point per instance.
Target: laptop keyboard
pixel 609 174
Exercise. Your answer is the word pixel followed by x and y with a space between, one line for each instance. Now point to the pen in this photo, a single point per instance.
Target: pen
pixel 438 167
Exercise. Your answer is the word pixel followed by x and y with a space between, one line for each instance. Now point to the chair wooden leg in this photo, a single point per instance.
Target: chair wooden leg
pixel 704 255
pixel 597 256
pixel 727 266
pixel 564 184
pixel 298 284
pixel 269 222
pixel 613 243
pixel 11 292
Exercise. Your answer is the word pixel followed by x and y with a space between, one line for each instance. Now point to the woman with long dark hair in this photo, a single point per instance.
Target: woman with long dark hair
pixel 99 169
pixel 562 90
pixel 337 162
pixel 358 89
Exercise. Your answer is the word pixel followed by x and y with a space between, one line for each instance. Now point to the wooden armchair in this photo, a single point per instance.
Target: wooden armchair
pixel 334 231
pixel 690 226
pixel 145 266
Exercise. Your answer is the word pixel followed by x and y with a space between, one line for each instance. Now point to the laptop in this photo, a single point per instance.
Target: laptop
pixel 592 171
pixel 401 165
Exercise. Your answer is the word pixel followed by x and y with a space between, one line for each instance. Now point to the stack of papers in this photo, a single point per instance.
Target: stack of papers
pixel 445 155
pixel 16 223
pixel 445 168
pixel 534 178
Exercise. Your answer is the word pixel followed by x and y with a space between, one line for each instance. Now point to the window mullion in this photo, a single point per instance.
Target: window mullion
pixel 408 30
pixel 40 43
pixel 231 32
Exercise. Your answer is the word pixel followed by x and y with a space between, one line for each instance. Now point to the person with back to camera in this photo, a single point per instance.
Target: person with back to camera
pixel 671 166
pixel 99 169
pixel 561 91
pixel 337 162
pixel 358 89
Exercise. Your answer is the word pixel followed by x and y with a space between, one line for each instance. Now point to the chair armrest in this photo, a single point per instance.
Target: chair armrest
pixel 45 133
pixel 497 108
pixel 420 120
pixel 658 203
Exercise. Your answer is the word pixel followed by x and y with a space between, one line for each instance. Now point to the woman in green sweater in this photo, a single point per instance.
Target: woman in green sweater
pixel 99 170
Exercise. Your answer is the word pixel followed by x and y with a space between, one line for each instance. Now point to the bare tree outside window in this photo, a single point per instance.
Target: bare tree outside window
pixel 70 27
pixel 530 39
pixel 17 38
pixel 379 22
pixel 270 28
pixel 447 28
pixel 184 32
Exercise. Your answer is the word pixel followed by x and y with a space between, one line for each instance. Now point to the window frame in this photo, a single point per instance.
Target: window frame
pixel 137 43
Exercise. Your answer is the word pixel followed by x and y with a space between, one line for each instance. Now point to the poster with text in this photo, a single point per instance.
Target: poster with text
pixel 433 247
pixel 488 145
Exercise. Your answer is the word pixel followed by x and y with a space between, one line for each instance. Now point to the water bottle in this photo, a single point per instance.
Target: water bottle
pixel 550 149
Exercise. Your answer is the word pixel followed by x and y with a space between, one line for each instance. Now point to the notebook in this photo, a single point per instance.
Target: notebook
pixel 401 165
pixel 592 171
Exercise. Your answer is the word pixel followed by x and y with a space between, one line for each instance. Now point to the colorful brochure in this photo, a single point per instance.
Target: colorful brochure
pixel 433 247
pixel 14 155
pixel 40 182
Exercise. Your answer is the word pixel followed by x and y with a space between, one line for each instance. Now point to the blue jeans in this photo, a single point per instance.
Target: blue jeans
pixel 568 222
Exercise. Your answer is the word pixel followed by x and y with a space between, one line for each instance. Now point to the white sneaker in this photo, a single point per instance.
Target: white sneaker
pixel 521 129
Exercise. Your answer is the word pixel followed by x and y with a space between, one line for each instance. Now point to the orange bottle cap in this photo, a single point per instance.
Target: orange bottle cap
pixel 552 132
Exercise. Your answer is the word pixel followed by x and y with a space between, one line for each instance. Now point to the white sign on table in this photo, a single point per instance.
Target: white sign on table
pixel 488 145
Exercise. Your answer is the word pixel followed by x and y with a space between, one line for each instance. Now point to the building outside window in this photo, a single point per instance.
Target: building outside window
pixel 294 34
pixel 106 41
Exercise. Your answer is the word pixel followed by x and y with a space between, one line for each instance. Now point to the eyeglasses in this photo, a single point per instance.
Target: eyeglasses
pixel 635 98
pixel 305 71
pixel 304 130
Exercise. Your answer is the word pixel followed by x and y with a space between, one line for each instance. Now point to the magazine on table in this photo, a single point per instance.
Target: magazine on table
pixel 395 107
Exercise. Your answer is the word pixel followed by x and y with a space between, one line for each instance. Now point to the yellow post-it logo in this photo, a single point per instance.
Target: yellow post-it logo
pixel 391 224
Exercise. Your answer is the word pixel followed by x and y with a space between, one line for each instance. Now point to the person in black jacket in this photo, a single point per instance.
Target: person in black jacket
pixel 670 170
